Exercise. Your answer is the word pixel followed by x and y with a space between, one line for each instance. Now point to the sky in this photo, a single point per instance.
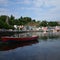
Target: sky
pixel 36 9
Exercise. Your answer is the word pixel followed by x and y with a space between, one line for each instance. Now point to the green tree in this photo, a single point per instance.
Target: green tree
pixel 27 19
pixel 12 17
pixel 43 23
pixel 3 18
pixel 12 20
pixel 51 23
pixel 1 24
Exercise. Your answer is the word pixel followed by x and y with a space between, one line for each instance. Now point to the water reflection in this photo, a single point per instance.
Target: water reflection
pixel 10 46
pixel 42 36
pixel 48 34
pixel 22 34
pixel 44 49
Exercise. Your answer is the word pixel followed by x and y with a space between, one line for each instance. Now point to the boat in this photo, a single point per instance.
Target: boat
pixel 22 39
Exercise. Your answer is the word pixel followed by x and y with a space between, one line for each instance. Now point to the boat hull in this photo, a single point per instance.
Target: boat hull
pixel 4 39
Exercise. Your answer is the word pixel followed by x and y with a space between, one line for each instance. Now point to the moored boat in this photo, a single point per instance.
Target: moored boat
pixel 6 38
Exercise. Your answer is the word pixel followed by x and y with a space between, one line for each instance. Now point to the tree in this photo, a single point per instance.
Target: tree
pixel 3 18
pixel 12 17
pixel 12 20
pixel 1 24
pixel 34 20
pixel 43 23
pixel 51 23
pixel 27 19
pixel 21 21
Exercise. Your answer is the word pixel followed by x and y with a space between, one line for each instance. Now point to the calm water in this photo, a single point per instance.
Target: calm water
pixel 46 48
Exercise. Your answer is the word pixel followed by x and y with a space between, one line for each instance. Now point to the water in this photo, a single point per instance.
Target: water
pixel 46 48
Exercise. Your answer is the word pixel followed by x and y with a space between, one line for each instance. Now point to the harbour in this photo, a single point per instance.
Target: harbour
pixel 29 30
pixel 46 48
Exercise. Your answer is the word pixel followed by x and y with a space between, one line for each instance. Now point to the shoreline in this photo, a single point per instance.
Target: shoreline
pixel 17 31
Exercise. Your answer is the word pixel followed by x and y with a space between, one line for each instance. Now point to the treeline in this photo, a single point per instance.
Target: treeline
pixel 8 22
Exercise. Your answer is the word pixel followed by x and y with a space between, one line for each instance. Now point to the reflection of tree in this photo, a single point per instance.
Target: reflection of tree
pixel 52 36
pixel 27 27
pixel 44 37
pixel 49 35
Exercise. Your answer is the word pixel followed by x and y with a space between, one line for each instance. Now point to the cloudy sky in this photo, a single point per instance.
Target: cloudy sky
pixel 36 9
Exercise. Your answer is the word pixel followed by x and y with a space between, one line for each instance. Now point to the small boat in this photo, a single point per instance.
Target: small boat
pixel 22 39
